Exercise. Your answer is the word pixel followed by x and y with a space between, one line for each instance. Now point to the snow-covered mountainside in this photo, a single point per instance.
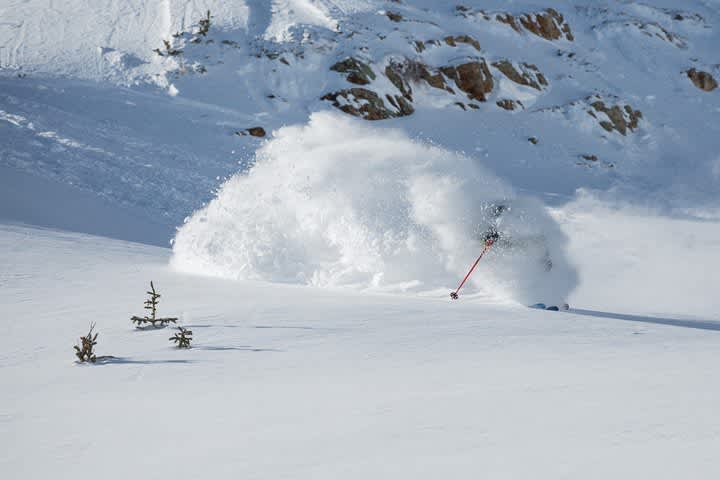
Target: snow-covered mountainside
pixel 600 94
pixel 337 166
pixel 150 107
pixel 285 381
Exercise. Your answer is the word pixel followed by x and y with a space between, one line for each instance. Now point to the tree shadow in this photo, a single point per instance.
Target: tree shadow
pixel 110 360
pixel 285 327
pixel 149 328
pixel 244 348
pixel 253 326
pixel 213 326
pixel 697 324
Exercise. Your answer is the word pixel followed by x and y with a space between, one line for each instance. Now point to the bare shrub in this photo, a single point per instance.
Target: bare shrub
pixel 84 351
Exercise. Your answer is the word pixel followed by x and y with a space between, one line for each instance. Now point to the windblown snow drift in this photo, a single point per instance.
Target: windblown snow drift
pixel 338 202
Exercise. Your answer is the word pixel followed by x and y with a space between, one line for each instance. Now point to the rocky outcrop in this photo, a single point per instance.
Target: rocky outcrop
pixel 619 118
pixel 403 73
pixel 629 25
pixel 402 106
pixel 655 30
pixel 702 80
pixel 522 74
pixel 364 103
pixel 550 24
pixel 508 104
pixel 394 16
pixel 256 131
pixel 473 78
pixel 394 72
pixel 358 72
pixel 252 131
pixel 451 40
pixel 467 39
pixel 469 82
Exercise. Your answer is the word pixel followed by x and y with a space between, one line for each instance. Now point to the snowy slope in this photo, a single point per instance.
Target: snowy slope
pixel 313 263
pixel 91 39
pixel 268 64
pixel 300 382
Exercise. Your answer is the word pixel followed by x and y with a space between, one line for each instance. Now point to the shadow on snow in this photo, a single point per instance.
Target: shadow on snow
pixel 110 360
pixel 698 324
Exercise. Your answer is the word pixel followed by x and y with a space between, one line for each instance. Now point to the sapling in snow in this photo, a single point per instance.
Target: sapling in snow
pixel 182 338
pixel 84 351
pixel 152 304
pixel 204 25
pixel 169 50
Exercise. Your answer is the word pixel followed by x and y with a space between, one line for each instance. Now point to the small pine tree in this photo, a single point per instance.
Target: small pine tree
pixel 84 351
pixel 182 338
pixel 204 25
pixel 169 50
pixel 152 304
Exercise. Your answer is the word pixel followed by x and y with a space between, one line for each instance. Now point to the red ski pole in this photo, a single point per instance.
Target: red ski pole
pixel 488 243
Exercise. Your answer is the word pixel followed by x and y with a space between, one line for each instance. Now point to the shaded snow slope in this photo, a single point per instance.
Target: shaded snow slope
pixel 339 202
pixel 129 148
pixel 33 200
pixel 297 382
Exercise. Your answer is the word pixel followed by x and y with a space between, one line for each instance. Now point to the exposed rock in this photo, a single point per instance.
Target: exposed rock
pixel 702 80
pixel 394 72
pixel 394 16
pixel 467 39
pixel 533 140
pixel 508 104
pixel 627 25
pixel 549 24
pixel 401 104
pixel 358 72
pixel 620 119
pixel 414 71
pixel 509 19
pixel 436 80
pixel 253 131
pixel 652 29
pixel 473 78
pixel 529 75
pixel 461 105
pixel 590 158
pixel 364 103
pixel 467 12
pixel 256 131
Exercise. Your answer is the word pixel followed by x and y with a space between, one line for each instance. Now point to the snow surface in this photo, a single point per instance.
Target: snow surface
pixel 85 38
pixel 314 265
pixel 298 382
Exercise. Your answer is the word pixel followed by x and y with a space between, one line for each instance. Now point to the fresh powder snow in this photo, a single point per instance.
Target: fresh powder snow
pixel 305 182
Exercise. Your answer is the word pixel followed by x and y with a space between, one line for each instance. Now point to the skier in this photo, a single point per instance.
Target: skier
pixel 493 237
